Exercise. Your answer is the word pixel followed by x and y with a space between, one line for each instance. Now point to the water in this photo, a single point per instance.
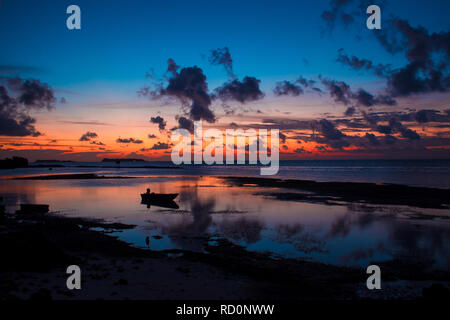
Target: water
pixel 341 234
pixel 428 173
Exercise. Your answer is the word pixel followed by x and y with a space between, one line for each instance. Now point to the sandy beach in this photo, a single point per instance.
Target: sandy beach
pixel 37 248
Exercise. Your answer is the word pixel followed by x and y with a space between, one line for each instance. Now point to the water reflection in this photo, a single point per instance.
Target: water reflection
pixel 347 234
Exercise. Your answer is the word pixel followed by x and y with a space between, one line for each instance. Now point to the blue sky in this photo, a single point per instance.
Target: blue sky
pixel 121 40
pixel 100 68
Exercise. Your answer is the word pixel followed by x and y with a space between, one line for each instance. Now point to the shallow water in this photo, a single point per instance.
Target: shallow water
pixel 342 234
pixel 426 173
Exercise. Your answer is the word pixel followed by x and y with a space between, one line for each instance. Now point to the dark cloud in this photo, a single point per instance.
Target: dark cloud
pixel 172 67
pixel 329 134
pixel 372 139
pixel 159 121
pixel 243 91
pixel 301 150
pixel 336 14
pixel 285 88
pixel 328 130
pixel 88 136
pixel 222 56
pixel 160 146
pixel 188 86
pixel 98 143
pixel 295 88
pixel 342 93
pixel 390 140
pixel 395 126
pixel 338 90
pixel 350 111
pixel 17 98
pixel 152 136
pixel 33 93
pixel 184 123
pixel 409 134
pixel 362 64
pixel 424 116
pixel 129 140
pixel 428 59
pixel 366 99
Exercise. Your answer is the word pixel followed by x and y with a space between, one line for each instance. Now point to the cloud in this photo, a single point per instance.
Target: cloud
pixel 98 143
pixel 328 130
pixel 88 136
pixel 243 91
pixel 395 126
pixel 329 134
pixel 152 136
pixel 350 111
pixel 285 88
pixel 338 90
pixel 336 14
pixel 222 56
pixel 159 121
pixel 17 98
pixel 366 99
pixel 389 140
pixel 428 58
pixel 189 86
pixel 129 140
pixel 409 134
pixel 172 67
pixel 301 150
pixel 342 93
pixel 295 88
pixel 372 139
pixel 185 123
pixel 362 64
pixel 160 146
pixel 33 93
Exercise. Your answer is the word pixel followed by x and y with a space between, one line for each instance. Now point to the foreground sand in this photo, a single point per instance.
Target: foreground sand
pixel 38 248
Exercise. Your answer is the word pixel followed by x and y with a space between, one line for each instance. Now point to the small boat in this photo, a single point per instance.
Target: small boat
pixel 164 200
pixel 158 197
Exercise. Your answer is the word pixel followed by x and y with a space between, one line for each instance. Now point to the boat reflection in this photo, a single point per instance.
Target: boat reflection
pixel 158 203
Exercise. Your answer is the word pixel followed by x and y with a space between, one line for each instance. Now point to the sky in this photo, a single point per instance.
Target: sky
pixel 138 69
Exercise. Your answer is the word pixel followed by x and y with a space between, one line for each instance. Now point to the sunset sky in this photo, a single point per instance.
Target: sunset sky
pixel 138 69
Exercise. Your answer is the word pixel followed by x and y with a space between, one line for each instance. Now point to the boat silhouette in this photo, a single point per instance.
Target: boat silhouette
pixel 159 199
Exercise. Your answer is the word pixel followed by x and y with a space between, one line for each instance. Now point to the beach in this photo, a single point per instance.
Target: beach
pixel 228 239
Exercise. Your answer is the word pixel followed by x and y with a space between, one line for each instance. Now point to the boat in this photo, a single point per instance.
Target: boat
pixel 158 197
pixel 164 200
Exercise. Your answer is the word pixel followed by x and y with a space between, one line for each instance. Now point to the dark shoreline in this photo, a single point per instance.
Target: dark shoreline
pixel 388 194
pixel 36 249
pixel 101 167
pixel 72 176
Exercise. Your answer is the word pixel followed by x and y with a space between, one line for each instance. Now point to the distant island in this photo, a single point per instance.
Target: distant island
pixel 14 162
pixel 122 160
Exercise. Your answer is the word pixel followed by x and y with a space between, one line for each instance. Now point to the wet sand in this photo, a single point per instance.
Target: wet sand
pixel 36 250
pixel 388 194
